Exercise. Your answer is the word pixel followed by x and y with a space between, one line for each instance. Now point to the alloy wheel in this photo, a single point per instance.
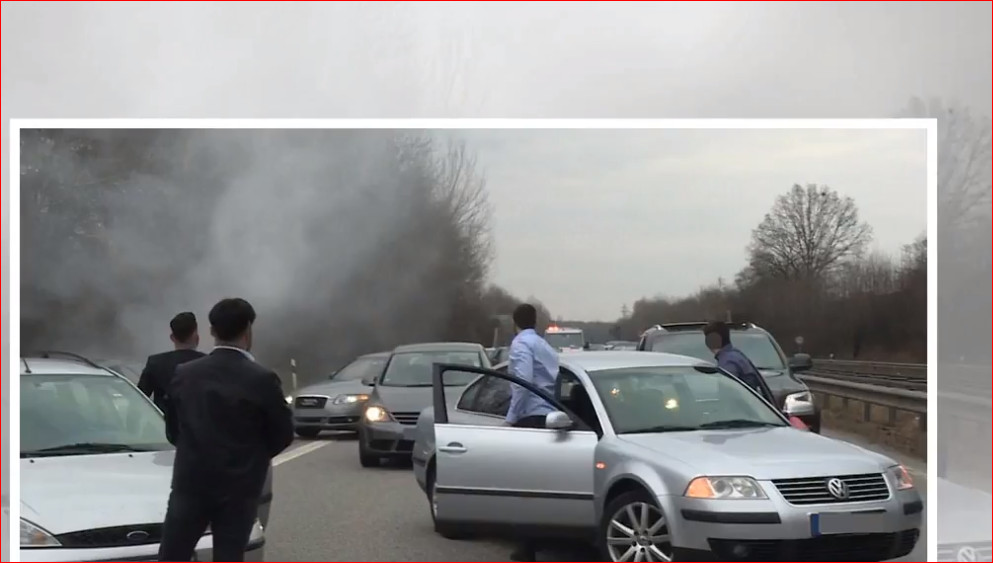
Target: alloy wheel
pixel 639 532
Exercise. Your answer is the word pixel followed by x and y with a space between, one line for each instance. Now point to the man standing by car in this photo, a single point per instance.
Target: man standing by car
pixel 229 419
pixel 159 369
pixel 733 360
pixel 532 359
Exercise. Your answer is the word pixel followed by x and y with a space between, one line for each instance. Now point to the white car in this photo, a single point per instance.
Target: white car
pixel 96 467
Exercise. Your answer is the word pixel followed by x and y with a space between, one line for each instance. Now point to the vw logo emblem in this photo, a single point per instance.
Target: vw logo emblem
pixel 837 488
pixel 136 536
pixel 967 553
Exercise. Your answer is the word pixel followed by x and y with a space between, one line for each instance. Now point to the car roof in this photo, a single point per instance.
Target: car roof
pixel 596 360
pixel 60 366
pixel 439 347
pixel 375 355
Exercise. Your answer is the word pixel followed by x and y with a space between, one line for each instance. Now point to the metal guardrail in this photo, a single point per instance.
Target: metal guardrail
pixel 886 374
pixel 892 397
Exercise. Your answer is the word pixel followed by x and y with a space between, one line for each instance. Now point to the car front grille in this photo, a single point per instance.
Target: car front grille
pixel 308 402
pixel 118 536
pixel 814 490
pixel 849 547
pixel 976 551
pixel 408 418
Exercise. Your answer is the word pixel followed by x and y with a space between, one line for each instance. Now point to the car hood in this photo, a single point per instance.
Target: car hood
pixel 964 514
pixel 763 453
pixel 405 399
pixel 101 490
pixel 333 388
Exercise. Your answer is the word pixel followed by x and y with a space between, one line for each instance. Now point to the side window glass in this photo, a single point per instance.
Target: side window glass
pixel 494 397
pixel 468 400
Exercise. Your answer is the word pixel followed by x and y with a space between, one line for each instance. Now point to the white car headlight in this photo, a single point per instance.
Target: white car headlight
pixel 376 413
pixel 725 488
pixel 801 397
pixel 34 536
pixel 350 399
pixel 902 478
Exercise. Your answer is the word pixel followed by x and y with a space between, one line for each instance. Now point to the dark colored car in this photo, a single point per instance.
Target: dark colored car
pixel 388 422
pixel 761 348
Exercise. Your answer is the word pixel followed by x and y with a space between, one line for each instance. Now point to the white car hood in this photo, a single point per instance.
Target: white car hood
pixel 763 453
pixel 73 493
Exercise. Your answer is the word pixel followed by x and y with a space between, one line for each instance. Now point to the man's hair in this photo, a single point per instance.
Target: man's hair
pixel 525 316
pixel 183 326
pixel 718 329
pixel 230 318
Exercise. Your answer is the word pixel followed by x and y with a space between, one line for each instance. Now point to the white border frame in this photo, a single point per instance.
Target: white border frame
pixel 929 125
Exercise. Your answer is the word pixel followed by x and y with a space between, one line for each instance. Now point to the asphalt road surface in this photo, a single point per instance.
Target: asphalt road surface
pixel 328 508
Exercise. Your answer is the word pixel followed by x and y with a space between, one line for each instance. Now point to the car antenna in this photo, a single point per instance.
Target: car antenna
pixel 27 368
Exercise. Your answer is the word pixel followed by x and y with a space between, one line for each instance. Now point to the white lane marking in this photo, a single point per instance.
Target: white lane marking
pixel 298 452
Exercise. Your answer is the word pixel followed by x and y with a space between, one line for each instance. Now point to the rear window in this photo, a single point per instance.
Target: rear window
pixel 757 346
pixel 60 411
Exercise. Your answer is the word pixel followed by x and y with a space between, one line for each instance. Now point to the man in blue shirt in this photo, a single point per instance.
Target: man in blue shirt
pixel 733 360
pixel 533 360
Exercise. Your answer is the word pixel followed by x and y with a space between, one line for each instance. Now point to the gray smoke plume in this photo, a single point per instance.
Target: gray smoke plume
pixel 344 241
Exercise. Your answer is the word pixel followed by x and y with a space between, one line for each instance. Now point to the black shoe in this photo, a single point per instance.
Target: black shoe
pixel 523 555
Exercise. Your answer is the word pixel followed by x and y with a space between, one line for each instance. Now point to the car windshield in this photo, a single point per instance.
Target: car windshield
pixel 86 414
pixel 672 399
pixel 360 369
pixel 757 346
pixel 415 369
pixel 560 340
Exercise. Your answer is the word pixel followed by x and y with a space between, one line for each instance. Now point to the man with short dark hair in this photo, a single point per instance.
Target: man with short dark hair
pixel 229 419
pixel 532 359
pixel 159 370
pixel 732 360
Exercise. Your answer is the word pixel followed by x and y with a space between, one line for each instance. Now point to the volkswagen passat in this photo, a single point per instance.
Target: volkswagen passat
pixel 95 467
pixel 337 404
pixel 658 457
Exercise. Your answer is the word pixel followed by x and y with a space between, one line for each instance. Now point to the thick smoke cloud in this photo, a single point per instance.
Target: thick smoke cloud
pixel 345 241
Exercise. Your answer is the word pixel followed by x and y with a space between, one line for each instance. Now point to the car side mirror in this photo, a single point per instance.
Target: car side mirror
pixel 799 409
pixel 558 420
pixel 801 362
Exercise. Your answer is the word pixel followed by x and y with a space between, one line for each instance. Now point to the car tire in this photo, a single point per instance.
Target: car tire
pixel 447 531
pixel 617 509
pixel 310 433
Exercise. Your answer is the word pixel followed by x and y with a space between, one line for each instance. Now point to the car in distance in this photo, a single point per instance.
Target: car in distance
pixel 756 343
pixel 564 339
pixel 96 467
pixel 403 391
pixel 658 457
pixel 338 403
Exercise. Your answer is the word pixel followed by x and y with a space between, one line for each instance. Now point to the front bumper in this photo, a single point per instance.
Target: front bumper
pixel 774 530
pixel 387 439
pixel 344 417
pixel 150 552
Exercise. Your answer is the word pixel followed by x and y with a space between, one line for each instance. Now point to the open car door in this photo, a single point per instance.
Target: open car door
pixel 501 476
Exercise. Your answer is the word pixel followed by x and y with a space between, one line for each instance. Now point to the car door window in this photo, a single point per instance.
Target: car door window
pixel 467 402
pixel 494 397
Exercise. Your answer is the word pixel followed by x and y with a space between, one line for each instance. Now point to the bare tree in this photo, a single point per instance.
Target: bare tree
pixel 809 232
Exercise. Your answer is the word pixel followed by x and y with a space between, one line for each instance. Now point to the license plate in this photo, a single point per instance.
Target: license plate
pixel 832 523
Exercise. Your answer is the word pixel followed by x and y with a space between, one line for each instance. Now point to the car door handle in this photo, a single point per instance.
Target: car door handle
pixel 453 448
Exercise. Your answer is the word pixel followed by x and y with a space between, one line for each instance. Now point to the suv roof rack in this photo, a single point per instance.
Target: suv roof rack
pixel 51 354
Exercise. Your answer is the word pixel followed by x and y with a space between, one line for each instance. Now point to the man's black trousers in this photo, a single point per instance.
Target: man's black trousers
pixel 230 520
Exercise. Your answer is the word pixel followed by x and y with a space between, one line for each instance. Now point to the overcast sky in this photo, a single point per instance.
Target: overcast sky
pixel 589 220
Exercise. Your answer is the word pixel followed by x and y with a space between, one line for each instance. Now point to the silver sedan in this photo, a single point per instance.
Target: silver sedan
pixel 656 457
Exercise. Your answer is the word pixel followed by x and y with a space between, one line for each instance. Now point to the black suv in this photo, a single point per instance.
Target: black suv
pixel 761 348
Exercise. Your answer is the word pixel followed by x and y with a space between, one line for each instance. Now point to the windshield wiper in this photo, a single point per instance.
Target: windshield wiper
pixel 85 448
pixel 662 428
pixel 737 423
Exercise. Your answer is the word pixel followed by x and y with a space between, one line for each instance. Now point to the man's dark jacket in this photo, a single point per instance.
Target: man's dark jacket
pixel 228 419
pixel 158 373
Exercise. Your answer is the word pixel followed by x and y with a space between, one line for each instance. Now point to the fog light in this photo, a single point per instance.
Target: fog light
pixel 740 551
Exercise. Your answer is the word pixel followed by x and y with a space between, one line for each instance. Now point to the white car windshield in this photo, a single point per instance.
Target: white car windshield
pixel 415 369
pixel 669 399
pixel 86 414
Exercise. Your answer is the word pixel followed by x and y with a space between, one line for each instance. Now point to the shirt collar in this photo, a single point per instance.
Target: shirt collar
pixel 245 353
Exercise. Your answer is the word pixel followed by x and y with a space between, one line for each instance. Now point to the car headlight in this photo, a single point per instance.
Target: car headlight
pixel 258 532
pixel 289 399
pixel 720 488
pixel 350 399
pixel 902 478
pixel 34 536
pixel 376 413
pixel 801 397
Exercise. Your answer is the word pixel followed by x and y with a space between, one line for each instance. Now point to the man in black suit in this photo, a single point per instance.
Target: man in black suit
pixel 229 418
pixel 160 368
